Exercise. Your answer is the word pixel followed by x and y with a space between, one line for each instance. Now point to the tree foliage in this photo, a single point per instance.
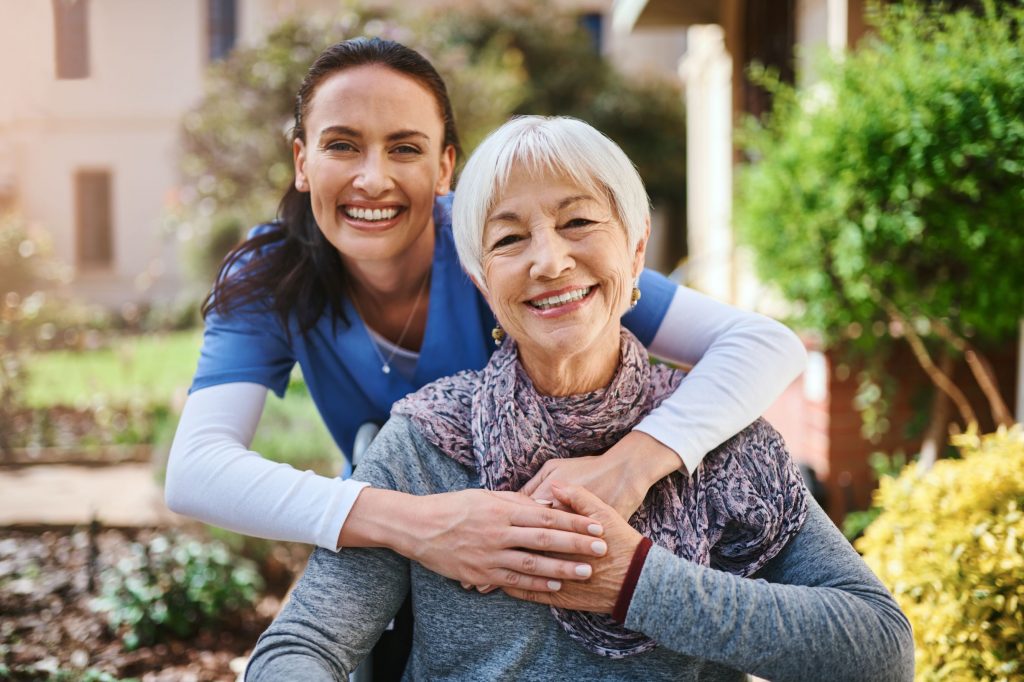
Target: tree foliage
pixel 497 61
pixel 884 200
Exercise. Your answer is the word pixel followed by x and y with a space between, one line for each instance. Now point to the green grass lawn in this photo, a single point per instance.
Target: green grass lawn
pixel 151 373
pixel 144 370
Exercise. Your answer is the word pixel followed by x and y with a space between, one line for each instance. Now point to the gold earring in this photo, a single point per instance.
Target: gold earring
pixel 634 297
pixel 498 334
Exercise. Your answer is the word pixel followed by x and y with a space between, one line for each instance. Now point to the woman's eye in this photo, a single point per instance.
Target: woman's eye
pixel 507 240
pixel 579 222
pixel 406 149
pixel 339 146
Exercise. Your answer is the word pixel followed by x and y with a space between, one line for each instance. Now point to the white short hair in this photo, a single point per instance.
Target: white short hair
pixel 544 144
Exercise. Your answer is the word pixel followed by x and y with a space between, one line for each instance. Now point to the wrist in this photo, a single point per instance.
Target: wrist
pixel 380 518
pixel 636 566
pixel 650 459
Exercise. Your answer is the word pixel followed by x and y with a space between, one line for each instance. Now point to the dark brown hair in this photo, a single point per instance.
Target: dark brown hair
pixel 291 268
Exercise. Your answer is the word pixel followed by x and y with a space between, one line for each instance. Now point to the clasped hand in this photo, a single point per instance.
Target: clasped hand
pixel 601 590
pixel 505 539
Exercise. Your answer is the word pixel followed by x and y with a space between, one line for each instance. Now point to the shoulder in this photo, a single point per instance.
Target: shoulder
pixel 246 260
pixel 402 458
pixel 756 455
pixel 443 228
pixel 443 210
pixel 755 496
pixel 442 412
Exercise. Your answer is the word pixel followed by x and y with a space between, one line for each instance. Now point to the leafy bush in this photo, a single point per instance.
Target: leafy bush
pixel 884 200
pixel 174 587
pixel 25 266
pixel 950 545
pixel 883 466
pixel 900 174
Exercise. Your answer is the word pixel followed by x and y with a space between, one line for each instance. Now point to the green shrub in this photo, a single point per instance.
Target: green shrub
pixel 883 466
pixel 884 200
pixel 950 546
pixel 900 174
pixel 174 587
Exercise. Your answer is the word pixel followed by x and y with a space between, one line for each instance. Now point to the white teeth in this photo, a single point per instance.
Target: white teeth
pixel 370 214
pixel 560 299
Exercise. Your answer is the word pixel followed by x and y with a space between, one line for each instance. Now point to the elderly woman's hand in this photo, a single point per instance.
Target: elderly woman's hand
pixel 600 592
pixel 621 476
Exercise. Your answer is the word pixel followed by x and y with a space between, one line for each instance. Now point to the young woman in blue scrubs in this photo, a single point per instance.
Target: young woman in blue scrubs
pixel 357 281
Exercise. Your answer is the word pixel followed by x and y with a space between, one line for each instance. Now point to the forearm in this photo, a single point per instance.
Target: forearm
pixel 383 518
pixel 420 508
pixel 823 616
pixel 214 477
pixel 742 362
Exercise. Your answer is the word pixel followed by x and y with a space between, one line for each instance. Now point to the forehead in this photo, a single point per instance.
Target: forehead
pixel 546 190
pixel 373 96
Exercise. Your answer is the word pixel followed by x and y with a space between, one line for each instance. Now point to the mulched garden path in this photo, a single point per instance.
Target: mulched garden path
pixel 47 625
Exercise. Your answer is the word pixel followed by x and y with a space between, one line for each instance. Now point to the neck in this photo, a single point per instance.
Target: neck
pixel 391 294
pixel 566 374
pixel 392 281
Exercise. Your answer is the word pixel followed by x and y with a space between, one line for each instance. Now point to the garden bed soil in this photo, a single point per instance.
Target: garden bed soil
pixel 79 434
pixel 102 455
pixel 47 625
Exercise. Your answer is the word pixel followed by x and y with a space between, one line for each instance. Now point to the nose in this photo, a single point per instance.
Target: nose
pixel 373 177
pixel 550 254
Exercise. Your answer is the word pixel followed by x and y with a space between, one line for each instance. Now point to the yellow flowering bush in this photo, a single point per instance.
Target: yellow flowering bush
pixel 950 546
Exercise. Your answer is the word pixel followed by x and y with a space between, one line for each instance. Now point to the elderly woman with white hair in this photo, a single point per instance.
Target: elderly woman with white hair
pixel 729 571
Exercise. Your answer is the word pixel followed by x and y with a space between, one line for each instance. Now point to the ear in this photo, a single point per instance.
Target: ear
pixel 641 249
pixel 299 159
pixel 444 180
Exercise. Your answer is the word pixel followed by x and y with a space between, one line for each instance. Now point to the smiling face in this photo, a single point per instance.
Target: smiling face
pixel 373 160
pixel 558 273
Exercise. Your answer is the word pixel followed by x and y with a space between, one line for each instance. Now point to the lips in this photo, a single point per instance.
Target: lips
pixel 555 300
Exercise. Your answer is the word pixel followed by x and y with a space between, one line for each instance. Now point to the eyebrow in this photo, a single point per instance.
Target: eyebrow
pixel 352 132
pixel 513 217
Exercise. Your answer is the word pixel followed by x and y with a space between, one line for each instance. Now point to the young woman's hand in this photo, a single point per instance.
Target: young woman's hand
pixel 621 476
pixel 478 537
pixel 600 592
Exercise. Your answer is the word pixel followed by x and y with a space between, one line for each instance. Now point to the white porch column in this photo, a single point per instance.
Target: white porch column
pixel 706 72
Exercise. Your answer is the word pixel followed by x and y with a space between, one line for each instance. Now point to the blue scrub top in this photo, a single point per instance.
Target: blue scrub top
pixel 339 363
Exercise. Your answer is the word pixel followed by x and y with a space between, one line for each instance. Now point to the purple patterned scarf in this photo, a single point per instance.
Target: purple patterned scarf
pixel 495 421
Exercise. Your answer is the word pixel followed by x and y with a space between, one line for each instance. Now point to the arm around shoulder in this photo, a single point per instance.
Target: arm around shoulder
pixel 742 362
pixel 213 476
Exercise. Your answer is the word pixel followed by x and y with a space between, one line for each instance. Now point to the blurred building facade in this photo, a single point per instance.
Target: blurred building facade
pixel 94 91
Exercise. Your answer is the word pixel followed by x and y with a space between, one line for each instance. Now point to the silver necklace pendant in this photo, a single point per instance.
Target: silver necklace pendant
pixel 386 368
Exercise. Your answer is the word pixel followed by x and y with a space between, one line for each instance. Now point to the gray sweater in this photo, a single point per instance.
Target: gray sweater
pixel 815 612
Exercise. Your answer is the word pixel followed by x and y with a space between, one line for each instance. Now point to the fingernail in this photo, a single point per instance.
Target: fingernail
pixel 595 529
pixel 599 547
pixel 554 585
pixel 483 587
pixel 544 502
pixel 584 570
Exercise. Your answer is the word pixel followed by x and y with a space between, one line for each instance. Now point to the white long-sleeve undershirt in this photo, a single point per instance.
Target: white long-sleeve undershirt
pixel 741 363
